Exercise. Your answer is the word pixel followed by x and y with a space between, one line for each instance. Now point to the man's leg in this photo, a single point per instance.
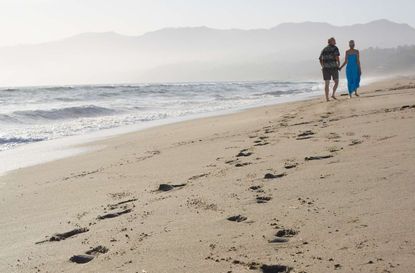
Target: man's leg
pixel 336 84
pixel 335 75
pixel 327 89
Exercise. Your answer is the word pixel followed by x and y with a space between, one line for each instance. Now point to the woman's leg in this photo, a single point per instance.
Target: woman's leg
pixel 350 87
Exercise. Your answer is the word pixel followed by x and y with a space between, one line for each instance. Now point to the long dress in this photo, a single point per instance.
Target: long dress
pixel 352 73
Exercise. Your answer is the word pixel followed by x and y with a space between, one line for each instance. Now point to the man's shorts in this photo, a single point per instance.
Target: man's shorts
pixel 330 73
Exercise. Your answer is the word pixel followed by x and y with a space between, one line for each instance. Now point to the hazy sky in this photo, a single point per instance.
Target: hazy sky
pixel 33 21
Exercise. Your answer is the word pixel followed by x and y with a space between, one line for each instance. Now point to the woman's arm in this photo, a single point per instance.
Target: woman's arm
pixel 345 61
pixel 358 63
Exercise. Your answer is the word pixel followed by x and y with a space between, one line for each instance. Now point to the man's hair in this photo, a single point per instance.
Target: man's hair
pixel 331 39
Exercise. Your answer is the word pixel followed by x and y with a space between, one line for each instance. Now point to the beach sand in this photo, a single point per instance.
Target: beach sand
pixel 313 186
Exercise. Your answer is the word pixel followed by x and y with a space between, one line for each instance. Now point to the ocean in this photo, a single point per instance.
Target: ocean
pixel 39 114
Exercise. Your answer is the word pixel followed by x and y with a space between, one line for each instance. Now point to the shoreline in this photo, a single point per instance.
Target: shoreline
pixel 60 148
pixel 305 186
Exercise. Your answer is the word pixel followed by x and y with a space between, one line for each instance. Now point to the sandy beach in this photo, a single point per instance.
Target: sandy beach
pixel 304 186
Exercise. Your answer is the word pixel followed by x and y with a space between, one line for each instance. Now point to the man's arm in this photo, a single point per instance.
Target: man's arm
pixel 337 53
pixel 321 59
pixel 321 63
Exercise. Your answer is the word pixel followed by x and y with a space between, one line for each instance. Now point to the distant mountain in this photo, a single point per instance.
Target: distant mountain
pixel 287 51
pixel 389 60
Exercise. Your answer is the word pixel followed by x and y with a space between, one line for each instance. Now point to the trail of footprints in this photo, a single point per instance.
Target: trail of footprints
pixel 282 235
pixel 113 211
pixel 110 211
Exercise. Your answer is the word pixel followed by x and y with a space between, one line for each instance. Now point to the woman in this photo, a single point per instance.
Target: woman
pixel 353 69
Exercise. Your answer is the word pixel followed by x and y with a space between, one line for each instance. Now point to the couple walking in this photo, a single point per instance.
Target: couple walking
pixel 330 64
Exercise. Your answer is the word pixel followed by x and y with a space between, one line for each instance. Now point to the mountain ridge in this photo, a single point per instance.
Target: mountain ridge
pixel 94 57
pixel 202 27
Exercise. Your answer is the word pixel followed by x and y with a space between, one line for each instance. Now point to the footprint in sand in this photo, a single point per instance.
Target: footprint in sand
pixel 326 115
pixel 286 233
pixel 244 153
pixel 317 157
pixel 278 240
pixel 263 199
pixel 274 176
pixel 334 149
pixel 261 141
pixel 81 259
pixel 255 188
pixel 168 187
pixel 356 142
pixel 305 135
pixel 63 236
pixel 89 255
pixel 97 250
pixel 114 215
pixel 333 136
pixel 115 206
pixel 407 107
pixel 237 218
pixel 261 144
pixel 275 268
pixel 290 164
pixel 243 164
pixel 282 235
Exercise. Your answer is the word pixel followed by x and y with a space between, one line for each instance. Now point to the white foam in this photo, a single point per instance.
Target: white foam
pixel 46 151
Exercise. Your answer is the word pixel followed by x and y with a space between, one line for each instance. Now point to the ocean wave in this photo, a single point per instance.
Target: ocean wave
pixel 19 140
pixel 8 119
pixel 61 114
pixel 9 90
pixel 32 114
pixel 57 88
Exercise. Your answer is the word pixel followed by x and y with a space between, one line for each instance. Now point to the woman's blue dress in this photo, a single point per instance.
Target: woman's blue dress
pixel 352 73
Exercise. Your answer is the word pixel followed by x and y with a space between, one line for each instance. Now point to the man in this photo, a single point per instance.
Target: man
pixel 330 62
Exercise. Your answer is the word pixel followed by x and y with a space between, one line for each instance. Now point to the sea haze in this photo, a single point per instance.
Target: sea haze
pixel 38 114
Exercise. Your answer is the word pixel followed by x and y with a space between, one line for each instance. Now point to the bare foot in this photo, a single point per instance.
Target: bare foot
pixel 334 97
pixel 350 96
pixel 357 95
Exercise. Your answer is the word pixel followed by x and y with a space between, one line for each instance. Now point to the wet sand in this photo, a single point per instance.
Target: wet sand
pixel 299 187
